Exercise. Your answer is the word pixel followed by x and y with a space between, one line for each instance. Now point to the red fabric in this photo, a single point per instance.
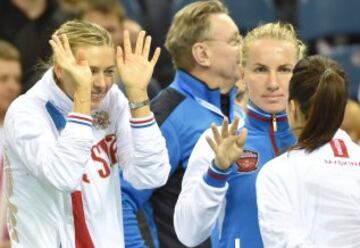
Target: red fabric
pixel 82 235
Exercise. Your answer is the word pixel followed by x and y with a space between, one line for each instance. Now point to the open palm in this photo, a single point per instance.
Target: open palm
pixel 227 145
pixel 77 69
pixel 134 67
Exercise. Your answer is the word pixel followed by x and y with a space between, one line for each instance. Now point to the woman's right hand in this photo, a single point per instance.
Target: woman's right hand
pixel 227 145
pixel 74 68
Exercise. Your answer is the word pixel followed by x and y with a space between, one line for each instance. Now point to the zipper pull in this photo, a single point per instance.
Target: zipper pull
pixel 274 123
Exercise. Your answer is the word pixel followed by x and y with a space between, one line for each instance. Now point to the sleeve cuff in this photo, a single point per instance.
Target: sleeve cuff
pixel 142 122
pixel 80 119
pixel 215 176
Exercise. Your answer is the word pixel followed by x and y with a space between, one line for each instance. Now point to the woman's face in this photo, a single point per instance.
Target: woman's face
pixel 101 60
pixel 268 71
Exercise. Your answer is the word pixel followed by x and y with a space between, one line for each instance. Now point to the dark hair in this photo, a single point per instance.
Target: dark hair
pixel 319 86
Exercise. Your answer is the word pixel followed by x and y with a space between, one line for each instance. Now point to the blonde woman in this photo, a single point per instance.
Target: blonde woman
pixel 66 136
pixel 220 189
pixel 309 196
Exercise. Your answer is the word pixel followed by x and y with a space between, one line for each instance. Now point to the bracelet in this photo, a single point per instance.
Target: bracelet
pixel 136 105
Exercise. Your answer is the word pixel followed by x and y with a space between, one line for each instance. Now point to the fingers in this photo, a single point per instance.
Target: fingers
pixel 140 43
pixel 211 144
pixel 119 57
pixel 224 128
pixel 234 126
pixel 156 56
pixel 240 141
pixel 127 44
pixel 146 50
pixel 66 45
pixel 216 133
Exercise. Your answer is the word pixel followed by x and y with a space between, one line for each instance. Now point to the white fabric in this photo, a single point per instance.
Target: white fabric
pixel 311 200
pixel 45 167
pixel 199 205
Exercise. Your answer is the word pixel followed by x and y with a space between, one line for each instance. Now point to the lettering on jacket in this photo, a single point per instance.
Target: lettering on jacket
pixel 104 154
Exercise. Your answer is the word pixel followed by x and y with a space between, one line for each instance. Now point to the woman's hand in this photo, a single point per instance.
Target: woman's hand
pixel 227 145
pixel 76 69
pixel 134 67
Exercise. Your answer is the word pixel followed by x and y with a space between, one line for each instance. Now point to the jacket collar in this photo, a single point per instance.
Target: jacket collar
pixel 193 87
pixel 264 121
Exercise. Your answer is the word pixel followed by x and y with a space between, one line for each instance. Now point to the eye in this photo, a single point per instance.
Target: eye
pixel 93 70
pixel 260 69
pixel 109 72
pixel 285 69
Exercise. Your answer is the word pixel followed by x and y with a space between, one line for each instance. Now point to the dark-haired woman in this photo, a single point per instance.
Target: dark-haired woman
pixel 310 196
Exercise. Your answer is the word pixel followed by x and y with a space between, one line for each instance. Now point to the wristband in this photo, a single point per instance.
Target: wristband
pixel 136 105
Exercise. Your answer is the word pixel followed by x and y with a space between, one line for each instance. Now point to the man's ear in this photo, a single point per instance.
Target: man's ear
pixel 201 54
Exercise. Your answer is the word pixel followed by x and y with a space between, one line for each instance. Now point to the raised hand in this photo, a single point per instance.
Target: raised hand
pixel 73 68
pixel 134 66
pixel 227 145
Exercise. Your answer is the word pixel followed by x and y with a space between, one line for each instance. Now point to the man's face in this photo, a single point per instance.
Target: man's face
pixel 109 21
pixel 224 50
pixel 10 85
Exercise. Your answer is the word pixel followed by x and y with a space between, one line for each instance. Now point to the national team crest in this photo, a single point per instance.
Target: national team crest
pixel 101 119
pixel 248 161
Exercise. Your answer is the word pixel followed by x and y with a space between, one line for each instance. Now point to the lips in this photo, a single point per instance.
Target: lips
pixel 272 98
pixel 97 96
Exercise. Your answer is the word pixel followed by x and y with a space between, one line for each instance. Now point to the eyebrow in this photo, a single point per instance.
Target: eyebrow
pixel 97 68
pixel 283 65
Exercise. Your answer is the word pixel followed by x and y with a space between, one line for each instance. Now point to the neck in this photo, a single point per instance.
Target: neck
pixel 211 81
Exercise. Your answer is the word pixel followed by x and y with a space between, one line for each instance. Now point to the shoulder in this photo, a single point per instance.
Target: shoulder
pixel 165 103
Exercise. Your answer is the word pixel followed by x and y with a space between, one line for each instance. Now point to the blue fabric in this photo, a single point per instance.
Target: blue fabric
pixel 56 116
pixel 241 209
pixel 181 129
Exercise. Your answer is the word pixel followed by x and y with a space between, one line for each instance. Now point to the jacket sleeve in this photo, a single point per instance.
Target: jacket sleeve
pixel 141 150
pixel 280 225
pixel 133 199
pixel 31 140
pixel 202 196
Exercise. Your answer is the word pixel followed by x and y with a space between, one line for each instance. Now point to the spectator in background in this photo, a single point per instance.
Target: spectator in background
pixel 205 44
pixel 10 87
pixel 28 25
pixel 110 15
pixel 220 189
pixel 309 196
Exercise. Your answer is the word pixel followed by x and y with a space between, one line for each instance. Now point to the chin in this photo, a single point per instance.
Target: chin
pixel 273 109
pixel 95 105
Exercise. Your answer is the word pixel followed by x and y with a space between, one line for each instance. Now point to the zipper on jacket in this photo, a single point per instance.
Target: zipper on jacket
pixel 273 130
pixel 274 125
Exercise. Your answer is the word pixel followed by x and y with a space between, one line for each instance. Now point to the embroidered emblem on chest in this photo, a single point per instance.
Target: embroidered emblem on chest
pixel 248 161
pixel 101 119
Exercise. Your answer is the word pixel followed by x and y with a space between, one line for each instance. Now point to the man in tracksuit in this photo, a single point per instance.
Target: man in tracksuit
pixel 205 45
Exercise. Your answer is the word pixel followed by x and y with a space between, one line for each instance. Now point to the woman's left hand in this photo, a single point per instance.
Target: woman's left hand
pixel 134 66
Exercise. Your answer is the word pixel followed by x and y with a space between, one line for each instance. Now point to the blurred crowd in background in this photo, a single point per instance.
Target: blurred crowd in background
pixel 328 27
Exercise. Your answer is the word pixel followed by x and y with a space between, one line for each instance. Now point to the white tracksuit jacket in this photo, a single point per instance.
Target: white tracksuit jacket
pixel 312 199
pixel 53 176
